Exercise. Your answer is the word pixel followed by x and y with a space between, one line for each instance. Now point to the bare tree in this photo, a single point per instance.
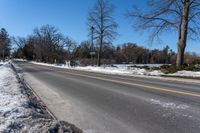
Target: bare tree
pixel 100 17
pixel 48 40
pixel 19 42
pixel 70 45
pixel 18 45
pixel 45 44
pixel 181 16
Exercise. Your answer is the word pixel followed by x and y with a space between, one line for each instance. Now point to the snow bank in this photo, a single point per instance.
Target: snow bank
pixel 20 111
pixel 119 71
pixel 20 59
pixel 186 74
pixel 122 69
pixel 139 65
pixel 46 64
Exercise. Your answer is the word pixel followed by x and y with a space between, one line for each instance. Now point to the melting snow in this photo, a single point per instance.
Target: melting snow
pixel 122 69
pixel 169 104
pixel 186 74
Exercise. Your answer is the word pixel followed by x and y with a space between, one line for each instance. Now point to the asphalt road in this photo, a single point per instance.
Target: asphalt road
pixel 122 104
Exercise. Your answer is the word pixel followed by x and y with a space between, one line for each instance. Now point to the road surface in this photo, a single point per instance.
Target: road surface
pixel 102 103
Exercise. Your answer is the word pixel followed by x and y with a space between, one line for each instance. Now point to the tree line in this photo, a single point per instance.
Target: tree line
pixel 47 44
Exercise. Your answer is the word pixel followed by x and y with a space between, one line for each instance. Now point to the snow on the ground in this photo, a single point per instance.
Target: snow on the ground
pixel 120 71
pixel 107 69
pixel 123 69
pixel 139 65
pixel 186 74
pixel 20 59
pixel 1 62
pixel 19 113
pixel 169 105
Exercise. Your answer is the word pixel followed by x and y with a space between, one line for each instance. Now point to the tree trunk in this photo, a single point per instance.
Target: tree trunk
pixel 180 54
pixel 182 31
pixel 99 60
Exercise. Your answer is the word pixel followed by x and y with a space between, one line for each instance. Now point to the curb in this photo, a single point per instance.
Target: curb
pixel 39 99
pixel 26 85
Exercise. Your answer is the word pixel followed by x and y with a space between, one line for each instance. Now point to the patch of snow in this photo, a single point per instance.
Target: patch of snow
pixel 186 74
pixel 1 62
pixel 20 59
pixel 169 105
pixel 187 116
pixel 122 69
pixel 11 99
pixel 155 73
pixel 118 71
pixel 107 69
pixel 139 65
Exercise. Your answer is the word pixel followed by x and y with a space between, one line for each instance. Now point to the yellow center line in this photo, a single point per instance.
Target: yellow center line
pixel 188 93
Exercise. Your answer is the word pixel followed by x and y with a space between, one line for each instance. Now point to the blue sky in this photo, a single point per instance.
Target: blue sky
pixel 20 17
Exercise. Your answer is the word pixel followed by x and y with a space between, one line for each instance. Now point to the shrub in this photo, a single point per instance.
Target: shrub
pixel 173 68
pixel 140 67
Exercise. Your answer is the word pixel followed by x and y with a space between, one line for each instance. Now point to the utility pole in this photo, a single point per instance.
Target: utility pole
pixel 92 53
